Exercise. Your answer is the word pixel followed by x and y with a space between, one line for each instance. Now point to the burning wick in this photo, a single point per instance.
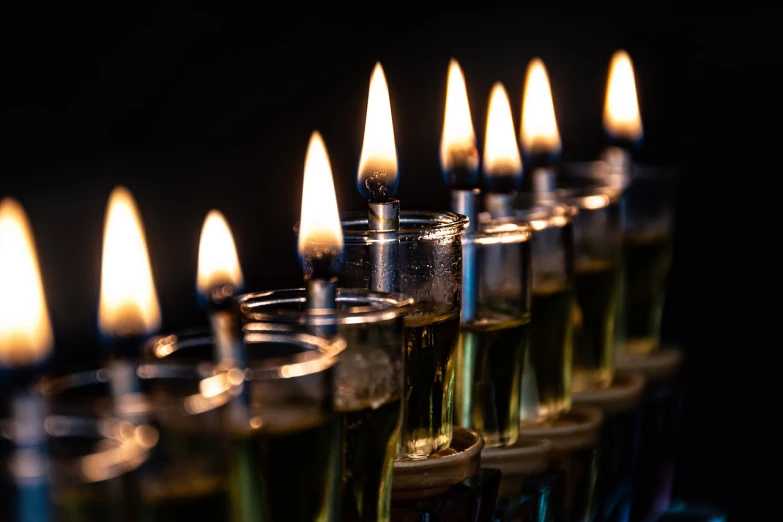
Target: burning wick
pixel 622 121
pixel 320 234
pixel 377 180
pixel 539 134
pixel 502 162
pixel 218 281
pixel 128 311
pixel 26 341
pixel 459 162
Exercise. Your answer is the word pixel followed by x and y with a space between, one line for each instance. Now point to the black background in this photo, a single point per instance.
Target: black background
pixel 195 107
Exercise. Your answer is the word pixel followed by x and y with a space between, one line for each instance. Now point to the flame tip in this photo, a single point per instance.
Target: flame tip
pixel 26 335
pixel 621 107
pixel 539 132
pixel 319 215
pixel 379 152
pixel 128 299
pixel 501 152
pixel 498 86
pixel 218 262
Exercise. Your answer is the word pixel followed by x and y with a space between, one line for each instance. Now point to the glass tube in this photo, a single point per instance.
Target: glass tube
pixel 369 382
pixel 429 254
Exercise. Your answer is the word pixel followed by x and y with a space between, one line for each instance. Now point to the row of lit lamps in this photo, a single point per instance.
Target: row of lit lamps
pixel 128 301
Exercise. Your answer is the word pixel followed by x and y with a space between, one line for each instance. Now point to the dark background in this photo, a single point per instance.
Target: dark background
pixel 195 107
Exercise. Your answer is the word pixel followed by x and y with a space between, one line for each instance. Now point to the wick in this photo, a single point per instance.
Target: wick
pixel 321 292
pixel 375 184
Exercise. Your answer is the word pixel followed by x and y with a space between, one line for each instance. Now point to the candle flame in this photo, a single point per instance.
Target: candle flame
pixel 25 331
pixel 621 109
pixel 539 134
pixel 128 303
pixel 378 163
pixel 501 152
pixel 218 264
pixel 458 141
pixel 319 224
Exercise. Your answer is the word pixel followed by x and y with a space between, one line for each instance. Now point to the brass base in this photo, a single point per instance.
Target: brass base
pixel 441 470
pixel 526 458
pixel 660 365
pixel 578 429
pixel 623 395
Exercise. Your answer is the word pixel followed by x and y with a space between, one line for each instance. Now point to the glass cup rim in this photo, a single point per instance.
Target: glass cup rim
pixel 587 198
pixel 602 170
pixel 388 306
pixel 415 225
pixel 539 214
pixel 134 443
pixel 217 385
pixel 499 231
pixel 324 353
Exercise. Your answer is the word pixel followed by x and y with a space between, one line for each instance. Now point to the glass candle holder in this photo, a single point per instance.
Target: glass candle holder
pixel 621 406
pixel 87 469
pixel 369 382
pixel 573 462
pixel 493 343
pixel 648 205
pixel 429 263
pixel 520 496
pixel 661 414
pixel 598 271
pixel 281 434
pixel 546 384
pixel 184 476
pixel 234 445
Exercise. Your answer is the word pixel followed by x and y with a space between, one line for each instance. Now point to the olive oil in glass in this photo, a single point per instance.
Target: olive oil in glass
pixel 490 357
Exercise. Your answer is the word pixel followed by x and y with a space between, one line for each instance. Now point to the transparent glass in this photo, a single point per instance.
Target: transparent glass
pixel 546 381
pixel 234 445
pixel 430 270
pixel 493 343
pixel 648 206
pixel 281 437
pixel 369 382
pixel 598 271
pixel 87 470
pixel 184 474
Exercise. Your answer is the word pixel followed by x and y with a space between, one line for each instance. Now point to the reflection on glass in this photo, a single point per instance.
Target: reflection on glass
pixel 369 383
pixel 429 254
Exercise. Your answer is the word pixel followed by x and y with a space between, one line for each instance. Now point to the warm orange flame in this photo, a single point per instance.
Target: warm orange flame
pixel 25 331
pixel 218 264
pixel 128 302
pixel 319 224
pixel 501 152
pixel 458 139
pixel 539 134
pixel 379 152
pixel 621 109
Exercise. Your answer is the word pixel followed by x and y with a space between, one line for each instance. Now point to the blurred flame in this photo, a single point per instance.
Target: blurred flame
pixel 501 152
pixel 621 109
pixel 128 302
pixel 25 331
pixel 458 139
pixel 379 153
pixel 218 264
pixel 319 224
pixel 539 134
